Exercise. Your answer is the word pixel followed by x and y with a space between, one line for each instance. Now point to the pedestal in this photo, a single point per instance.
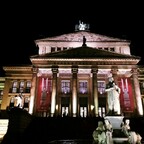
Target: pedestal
pixel 115 121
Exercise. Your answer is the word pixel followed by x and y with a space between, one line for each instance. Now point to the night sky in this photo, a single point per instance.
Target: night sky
pixel 22 23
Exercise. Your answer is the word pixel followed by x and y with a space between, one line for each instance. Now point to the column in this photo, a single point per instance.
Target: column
pixel 137 91
pixel 33 91
pixel 54 91
pixel 95 90
pixel 74 91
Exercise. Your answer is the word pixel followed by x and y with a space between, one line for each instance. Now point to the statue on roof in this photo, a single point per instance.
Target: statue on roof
pixel 84 41
pixel 82 26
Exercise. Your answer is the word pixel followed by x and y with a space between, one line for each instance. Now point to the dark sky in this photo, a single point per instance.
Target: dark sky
pixel 22 23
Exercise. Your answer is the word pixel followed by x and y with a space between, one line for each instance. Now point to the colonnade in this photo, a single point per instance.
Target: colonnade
pixel 94 72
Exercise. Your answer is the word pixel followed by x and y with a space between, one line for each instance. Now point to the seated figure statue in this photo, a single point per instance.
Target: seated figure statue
pixel 133 137
pixel 99 135
pixel 109 131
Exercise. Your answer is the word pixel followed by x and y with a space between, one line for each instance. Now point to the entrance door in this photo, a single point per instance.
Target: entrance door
pixel 65 106
pixel 83 102
pixel 83 111
pixel 64 111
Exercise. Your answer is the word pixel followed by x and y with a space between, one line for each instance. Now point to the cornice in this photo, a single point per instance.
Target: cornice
pixel 63 59
pixel 17 68
pixel 65 62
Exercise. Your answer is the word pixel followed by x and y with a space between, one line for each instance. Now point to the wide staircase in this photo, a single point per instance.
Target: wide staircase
pixel 26 129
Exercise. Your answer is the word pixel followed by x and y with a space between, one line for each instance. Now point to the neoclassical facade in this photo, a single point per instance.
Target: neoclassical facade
pixel 69 74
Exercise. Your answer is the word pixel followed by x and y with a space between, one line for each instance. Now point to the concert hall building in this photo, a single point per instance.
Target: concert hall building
pixel 69 74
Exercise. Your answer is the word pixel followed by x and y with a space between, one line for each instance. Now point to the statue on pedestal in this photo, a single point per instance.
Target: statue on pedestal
pixel 113 101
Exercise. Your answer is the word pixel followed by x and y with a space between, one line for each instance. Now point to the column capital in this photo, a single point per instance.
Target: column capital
pixel 74 69
pixel 34 70
pixel 134 71
pixel 55 70
pixel 94 70
pixel 114 70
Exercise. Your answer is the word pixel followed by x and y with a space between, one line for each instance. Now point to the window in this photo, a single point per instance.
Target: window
pixel 106 49
pixel 65 86
pixel 22 86
pixel 112 49
pixel 101 87
pixel 64 48
pixel 52 49
pixel 100 48
pixel 26 103
pixel 28 86
pixel 101 111
pixel 14 87
pixel 83 111
pixel 1 94
pixel 58 49
pixel 12 101
pixel 83 87
pixel 43 50
pixel 64 111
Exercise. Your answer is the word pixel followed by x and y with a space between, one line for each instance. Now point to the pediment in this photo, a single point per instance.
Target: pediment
pixel 78 36
pixel 85 52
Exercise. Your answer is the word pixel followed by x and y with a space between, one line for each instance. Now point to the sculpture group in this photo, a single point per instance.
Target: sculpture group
pixel 103 134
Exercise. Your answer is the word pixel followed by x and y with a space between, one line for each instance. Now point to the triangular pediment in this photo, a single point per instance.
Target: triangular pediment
pixel 78 36
pixel 86 53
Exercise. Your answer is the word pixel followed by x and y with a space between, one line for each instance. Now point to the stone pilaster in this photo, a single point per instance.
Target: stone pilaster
pixel 137 91
pixel 74 91
pixel 54 91
pixel 33 91
pixel 95 90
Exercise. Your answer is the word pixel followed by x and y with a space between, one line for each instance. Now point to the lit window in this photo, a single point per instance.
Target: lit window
pixel 83 111
pixel 64 111
pixel 101 87
pixel 65 86
pixel 28 86
pixel 101 112
pixel 1 94
pixel 26 103
pixel 14 87
pixel 21 86
pixel 83 87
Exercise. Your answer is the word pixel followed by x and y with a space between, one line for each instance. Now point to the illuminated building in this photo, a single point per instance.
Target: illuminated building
pixel 69 75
